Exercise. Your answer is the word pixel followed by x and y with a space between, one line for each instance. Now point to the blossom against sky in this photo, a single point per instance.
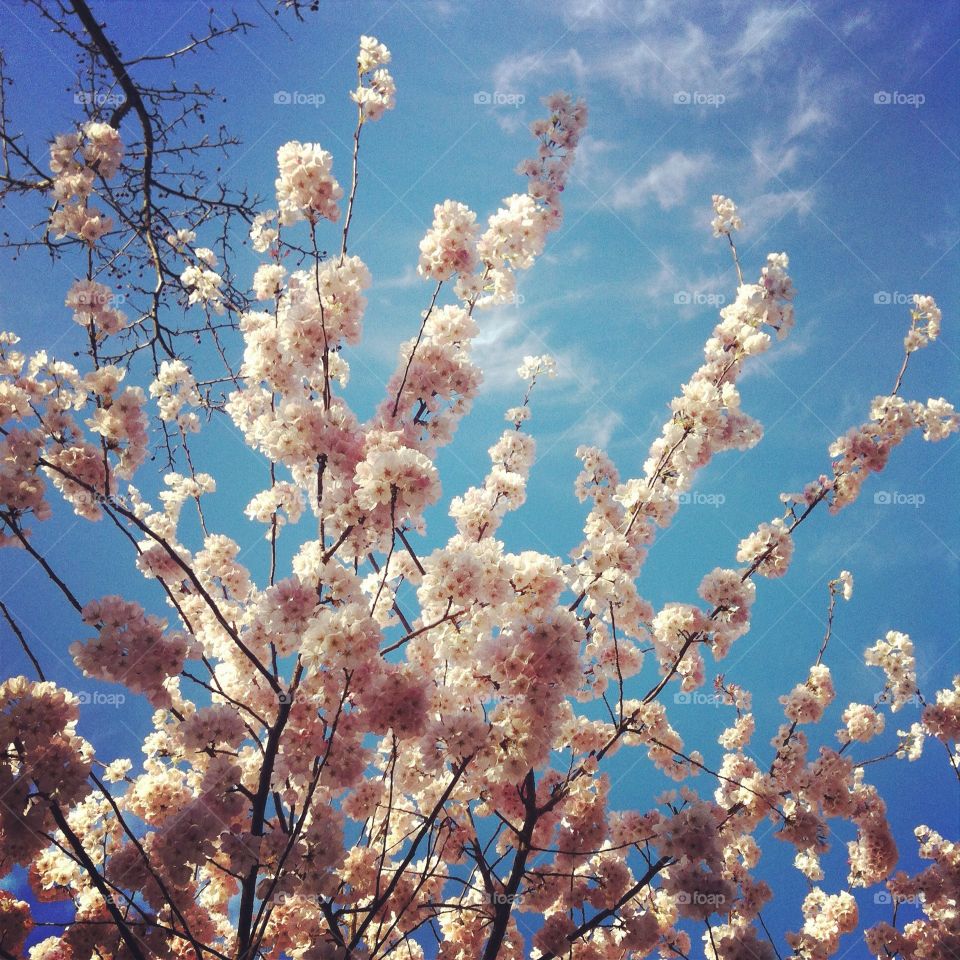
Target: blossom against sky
pixel 834 127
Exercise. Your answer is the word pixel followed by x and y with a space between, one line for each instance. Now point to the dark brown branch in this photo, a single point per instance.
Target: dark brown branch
pixel 23 643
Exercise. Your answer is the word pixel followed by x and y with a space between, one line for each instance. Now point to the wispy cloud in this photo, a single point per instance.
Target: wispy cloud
pixel 811 111
pixel 507 335
pixel 802 338
pixel 808 116
pixel 517 83
pixel 659 64
pixel 597 426
pixel 589 166
pixel 766 28
pixel 656 48
pixel 404 281
pixel 683 293
pixel 518 73
pixel 590 14
pixel 772 159
pixel 761 212
pixel 856 22
pixel 666 182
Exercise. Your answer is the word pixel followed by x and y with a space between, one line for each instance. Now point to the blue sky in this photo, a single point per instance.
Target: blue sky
pixel 835 128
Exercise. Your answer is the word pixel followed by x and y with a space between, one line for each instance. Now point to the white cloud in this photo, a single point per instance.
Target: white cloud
pixel 586 14
pixel 677 292
pixel 568 255
pixel 588 166
pixel 506 337
pixel 811 111
pixel 519 76
pixel 760 213
pixel 766 27
pixel 441 9
pixel 667 182
pixel 404 281
pixel 515 75
pixel 660 64
pixel 596 426
pixel 856 22
pixel 771 160
pixel 801 339
pixel 653 49
pixel 777 152
pixel 807 117
pixel 618 14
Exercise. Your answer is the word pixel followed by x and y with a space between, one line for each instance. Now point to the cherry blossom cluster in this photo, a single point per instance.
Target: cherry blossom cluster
pixel 706 419
pixel 76 159
pixel 211 727
pixel 42 758
pixel 866 449
pixel 16 922
pixel 435 380
pixel 201 280
pixel 374 100
pixel 826 918
pixel 533 367
pixel 130 648
pixel 934 891
pixel 770 547
pixel 283 502
pixel 726 218
pixel 450 245
pixel 516 233
pixel 894 655
pixel 925 323
pixel 263 231
pixel 122 422
pixel 863 723
pixel 306 187
pixel 174 389
pixel 93 307
pixel 807 701
pixel 480 510
pixel 84 471
pixel 395 477
pixel 941 719
pixel 845 581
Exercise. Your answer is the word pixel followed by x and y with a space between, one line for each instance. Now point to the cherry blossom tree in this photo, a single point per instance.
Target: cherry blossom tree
pixel 387 747
pixel 161 183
